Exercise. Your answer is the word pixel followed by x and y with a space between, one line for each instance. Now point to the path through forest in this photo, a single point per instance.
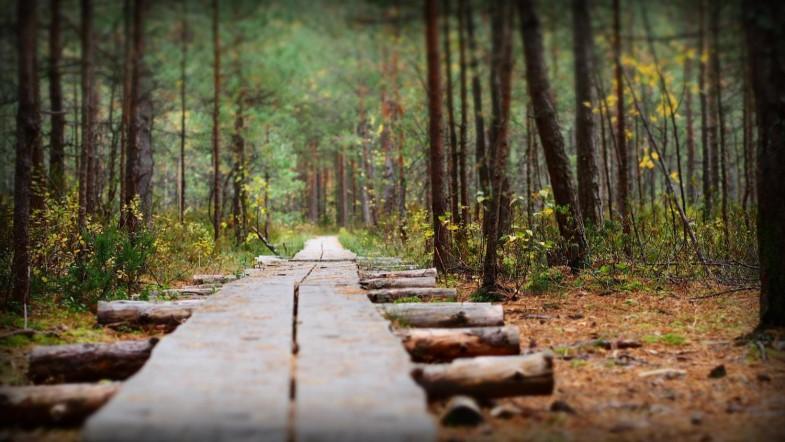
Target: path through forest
pixel 295 351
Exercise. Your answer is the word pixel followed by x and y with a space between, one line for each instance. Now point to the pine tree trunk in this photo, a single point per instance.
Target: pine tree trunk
pixel 708 194
pixel 690 178
pixel 463 133
pixel 453 138
pixel 501 75
pixel 479 120
pixel 86 164
pixel 28 133
pixel 570 221
pixel 216 121
pixel 438 203
pixel 621 131
pixel 721 152
pixel 57 132
pixel 183 80
pixel 766 47
pixel 588 187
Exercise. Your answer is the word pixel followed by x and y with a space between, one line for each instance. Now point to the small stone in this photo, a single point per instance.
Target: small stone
pixel 763 377
pixel 562 406
pixel 462 411
pixel 575 316
pixel 734 406
pixel 505 411
pixel 718 372
pixel 696 418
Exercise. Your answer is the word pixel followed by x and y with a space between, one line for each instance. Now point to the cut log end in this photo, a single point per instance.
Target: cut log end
pixel 52 405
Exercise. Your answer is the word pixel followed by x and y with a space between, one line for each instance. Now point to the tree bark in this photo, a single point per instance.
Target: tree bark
pixel 444 345
pixel 766 48
pixel 690 178
pixel 708 193
pixel 621 131
pixel 52 405
pixel 56 364
pixel 391 283
pixel 89 109
pixel 28 133
pixel 489 377
pixel 449 314
pixel 501 75
pixel 463 153
pixel 479 119
pixel 452 136
pixel 569 220
pixel 438 204
pixel 57 132
pixel 166 315
pixel 721 151
pixel 588 187
pixel 183 80
pixel 423 294
pixel 216 121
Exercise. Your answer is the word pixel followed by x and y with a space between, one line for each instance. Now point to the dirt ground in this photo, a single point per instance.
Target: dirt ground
pixel 607 394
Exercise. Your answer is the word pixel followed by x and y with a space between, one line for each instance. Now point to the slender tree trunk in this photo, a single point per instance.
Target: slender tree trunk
pixel 501 76
pixel 588 187
pixel 766 49
pixel 621 131
pixel 183 80
pixel 216 122
pixel 129 217
pixel 452 136
pixel 367 179
pixel 28 133
pixel 569 220
pixel 720 153
pixel 438 204
pixel 238 181
pixel 708 194
pixel 479 120
pixel 126 99
pixel 463 142
pixel 57 133
pixel 86 172
pixel 690 178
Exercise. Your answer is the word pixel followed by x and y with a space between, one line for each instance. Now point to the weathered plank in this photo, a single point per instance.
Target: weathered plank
pixel 223 375
pixel 353 380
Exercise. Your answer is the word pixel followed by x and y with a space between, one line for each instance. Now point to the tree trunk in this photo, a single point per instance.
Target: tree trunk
pixel 216 121
pixel 766 48
pixel 54 364
pixel 588 187
pixel 144 143
pixel 501 74
pixel 479 119
pixel 89 110
pixel 721 152
pixel 28 133
pixel 453 138
pixel 129 218
pixel 708 193
pixel 52 405
pixel 690 178
pixel 489 377
pixel 621 131
pixel 570 222
pixel 449 314
pixel 463 153
pixel 438 204
pixel 366 179
pixel 183 80
pixel 239 179
pixel 57 132
pixel 444 345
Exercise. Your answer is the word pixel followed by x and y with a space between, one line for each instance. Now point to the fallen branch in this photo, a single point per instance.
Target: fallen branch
pixel 265 241
pixel 724 292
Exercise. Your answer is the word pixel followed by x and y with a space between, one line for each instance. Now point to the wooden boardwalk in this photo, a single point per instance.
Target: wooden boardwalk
pixel 296 351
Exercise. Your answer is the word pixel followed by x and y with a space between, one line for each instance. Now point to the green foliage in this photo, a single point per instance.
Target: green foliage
pixel 671 339
pixel 482 295
pixel 545 280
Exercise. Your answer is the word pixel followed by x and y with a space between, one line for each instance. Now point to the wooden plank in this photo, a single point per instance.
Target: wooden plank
pixel 223 375
pixel 353 380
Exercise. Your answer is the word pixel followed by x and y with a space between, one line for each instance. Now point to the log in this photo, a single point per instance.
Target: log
pixel 462 411
pixel 88 362
pixel 417 273
pixel 444 314
pixel 52 405
pixel 422 293
pixel 213 279
pixel 167 315
pixel 445 344
pixel 488 377
pixel 197 291
pixel 396 283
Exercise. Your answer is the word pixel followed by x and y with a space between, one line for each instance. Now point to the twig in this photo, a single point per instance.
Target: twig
pixel 266 242
pixel 724 292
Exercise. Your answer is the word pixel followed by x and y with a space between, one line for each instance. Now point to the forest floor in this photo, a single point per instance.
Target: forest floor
pixel 601 393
